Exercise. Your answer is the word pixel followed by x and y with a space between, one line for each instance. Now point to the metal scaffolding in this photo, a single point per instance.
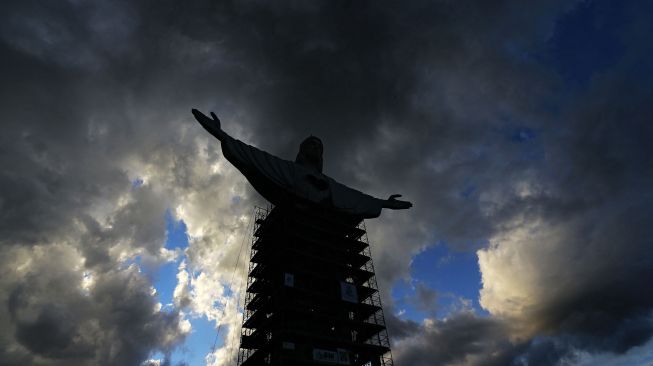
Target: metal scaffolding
pixel 312 296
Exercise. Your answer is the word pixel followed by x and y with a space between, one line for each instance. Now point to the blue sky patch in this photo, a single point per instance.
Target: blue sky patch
pixel 587 41
pixel 522 134
pixel 199 342
pixel 455 276
pixel 137 182
pixel 166 280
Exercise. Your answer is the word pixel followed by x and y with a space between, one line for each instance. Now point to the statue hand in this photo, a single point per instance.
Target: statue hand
pixel 210 124
pixel 396 204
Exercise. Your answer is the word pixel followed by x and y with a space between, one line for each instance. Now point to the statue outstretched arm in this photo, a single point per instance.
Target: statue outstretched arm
pixel 395 204
pixel 358 203
pixel 271 176
pixel 212 125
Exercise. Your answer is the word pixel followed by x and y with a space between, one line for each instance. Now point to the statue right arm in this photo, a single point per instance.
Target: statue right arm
pixel 271 176
pixel 212 125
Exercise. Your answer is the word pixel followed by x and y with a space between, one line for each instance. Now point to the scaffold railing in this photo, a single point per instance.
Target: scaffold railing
pixel 260 214
pixel 381 338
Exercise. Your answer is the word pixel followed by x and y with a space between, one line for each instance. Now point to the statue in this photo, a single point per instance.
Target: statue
pixel 282 181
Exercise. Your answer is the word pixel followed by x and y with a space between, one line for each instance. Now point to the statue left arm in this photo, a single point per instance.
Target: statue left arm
pixel 360 204
pixel 395 204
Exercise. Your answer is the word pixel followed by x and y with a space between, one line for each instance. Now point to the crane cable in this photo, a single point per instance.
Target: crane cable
pixel 231 282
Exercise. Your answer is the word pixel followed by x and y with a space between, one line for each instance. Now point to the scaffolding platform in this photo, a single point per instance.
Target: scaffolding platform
pixel 312 296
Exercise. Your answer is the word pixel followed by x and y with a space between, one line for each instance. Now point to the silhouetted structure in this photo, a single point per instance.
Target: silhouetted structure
pixel 312 297
pixel 283 182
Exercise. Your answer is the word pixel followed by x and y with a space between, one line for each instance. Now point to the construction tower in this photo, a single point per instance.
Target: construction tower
pixel 312 296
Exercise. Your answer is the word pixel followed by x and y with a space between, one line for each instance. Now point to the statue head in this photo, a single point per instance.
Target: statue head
pixel 310 153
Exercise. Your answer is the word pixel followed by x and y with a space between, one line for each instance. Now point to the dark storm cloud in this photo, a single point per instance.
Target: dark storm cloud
pixel 440 101
pixel 68 207
pixel 425 298
pixel 50 319
pixel 463 339
pixel 596 206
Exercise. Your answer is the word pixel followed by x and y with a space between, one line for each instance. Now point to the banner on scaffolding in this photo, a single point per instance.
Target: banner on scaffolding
pixel 339 357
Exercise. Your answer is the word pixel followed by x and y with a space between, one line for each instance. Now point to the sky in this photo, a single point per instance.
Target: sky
pixel 521 132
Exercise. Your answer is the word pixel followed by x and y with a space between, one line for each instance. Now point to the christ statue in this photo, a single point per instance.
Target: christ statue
pixel 283 182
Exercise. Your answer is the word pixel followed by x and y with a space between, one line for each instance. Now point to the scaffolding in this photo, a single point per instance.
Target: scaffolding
pixel 311 296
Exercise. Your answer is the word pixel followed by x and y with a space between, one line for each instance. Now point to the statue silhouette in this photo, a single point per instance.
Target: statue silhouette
pixel 284 182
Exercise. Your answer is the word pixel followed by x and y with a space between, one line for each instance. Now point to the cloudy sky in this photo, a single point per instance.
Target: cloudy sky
pixel 520 130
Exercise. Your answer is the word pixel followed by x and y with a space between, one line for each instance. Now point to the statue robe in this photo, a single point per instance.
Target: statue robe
pixel 281 181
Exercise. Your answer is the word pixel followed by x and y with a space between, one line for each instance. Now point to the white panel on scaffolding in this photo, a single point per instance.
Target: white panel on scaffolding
pixel 348 292
pixel 289 280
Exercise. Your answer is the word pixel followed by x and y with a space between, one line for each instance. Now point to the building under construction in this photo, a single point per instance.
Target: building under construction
pixel 312 297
